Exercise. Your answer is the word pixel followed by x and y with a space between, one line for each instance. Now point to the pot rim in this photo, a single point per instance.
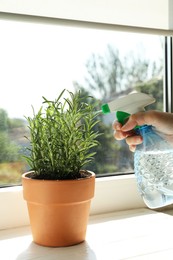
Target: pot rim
pixel 25 176
pixel 40 191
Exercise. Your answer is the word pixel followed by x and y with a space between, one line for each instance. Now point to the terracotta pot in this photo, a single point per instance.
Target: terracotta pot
pixel 58 210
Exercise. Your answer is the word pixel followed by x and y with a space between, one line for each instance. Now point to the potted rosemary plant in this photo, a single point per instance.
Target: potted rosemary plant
pixel 57 189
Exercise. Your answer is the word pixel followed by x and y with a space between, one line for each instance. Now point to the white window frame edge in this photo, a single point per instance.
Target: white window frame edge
pixel 155 14
pixel 114 193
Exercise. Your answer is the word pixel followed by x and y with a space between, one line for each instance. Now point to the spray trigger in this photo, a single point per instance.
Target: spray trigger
pixel 122 117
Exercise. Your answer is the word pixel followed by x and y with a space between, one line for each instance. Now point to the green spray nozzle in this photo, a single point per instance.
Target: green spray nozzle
pixel 122 117
pixel 105 109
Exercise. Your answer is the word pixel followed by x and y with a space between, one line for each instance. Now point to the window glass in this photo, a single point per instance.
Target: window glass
pixel 42 59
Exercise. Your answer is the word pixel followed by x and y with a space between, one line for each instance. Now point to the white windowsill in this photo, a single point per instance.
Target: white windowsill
pixel 134 234
pixel 111 194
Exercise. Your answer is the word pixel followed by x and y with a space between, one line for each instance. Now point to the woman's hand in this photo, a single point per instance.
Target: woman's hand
pixel 162 121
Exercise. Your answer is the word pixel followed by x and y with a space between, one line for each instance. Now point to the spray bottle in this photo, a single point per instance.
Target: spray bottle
pixel 153 159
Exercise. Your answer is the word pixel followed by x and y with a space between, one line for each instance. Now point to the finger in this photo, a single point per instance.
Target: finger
pixel 119 135
pixel 130 124
pixel 134 140
pixel 132 148
pixel 116 125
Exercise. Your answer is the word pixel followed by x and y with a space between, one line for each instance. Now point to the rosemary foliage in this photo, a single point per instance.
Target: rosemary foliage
pixel 61 136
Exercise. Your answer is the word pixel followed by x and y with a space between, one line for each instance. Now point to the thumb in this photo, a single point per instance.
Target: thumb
pixel 140 118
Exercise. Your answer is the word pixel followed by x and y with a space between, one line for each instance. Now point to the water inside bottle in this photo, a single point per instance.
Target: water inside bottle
pixel 154 172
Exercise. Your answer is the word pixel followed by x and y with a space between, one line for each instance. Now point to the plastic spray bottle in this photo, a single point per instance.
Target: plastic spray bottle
pixel 153 159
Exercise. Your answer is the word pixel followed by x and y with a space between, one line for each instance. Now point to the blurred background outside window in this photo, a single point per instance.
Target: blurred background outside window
pixel 42 59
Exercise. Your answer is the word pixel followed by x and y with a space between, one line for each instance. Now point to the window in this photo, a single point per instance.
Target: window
pixel 42 59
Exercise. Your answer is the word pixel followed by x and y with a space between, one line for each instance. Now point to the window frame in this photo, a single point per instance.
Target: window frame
pixel 112 12
pixel 168 74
